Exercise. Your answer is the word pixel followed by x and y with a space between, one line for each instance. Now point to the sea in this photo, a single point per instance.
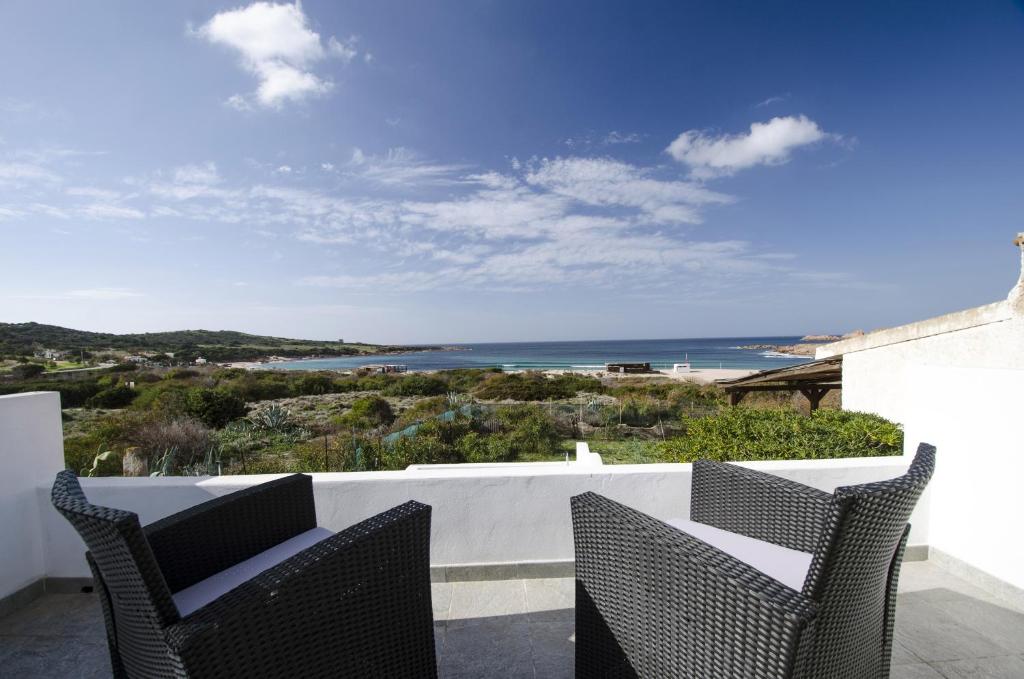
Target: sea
pixel 709 352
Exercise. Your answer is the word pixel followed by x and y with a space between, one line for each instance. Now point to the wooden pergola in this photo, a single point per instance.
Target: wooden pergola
pixel 813 380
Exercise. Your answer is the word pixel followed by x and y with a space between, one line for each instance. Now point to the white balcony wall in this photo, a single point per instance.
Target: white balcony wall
pixel 31 452
pixel 496 515
pixel 975 417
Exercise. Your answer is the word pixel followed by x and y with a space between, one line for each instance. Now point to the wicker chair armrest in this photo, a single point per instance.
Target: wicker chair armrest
pixel 758 505
pixel 355 604
pixel 198 542
pixel 657 601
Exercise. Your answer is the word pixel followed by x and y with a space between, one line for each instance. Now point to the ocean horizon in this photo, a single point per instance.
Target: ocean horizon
pixel 707 352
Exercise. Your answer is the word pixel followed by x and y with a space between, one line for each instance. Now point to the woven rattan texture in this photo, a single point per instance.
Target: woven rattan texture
pixel 354 605
pixel 653 601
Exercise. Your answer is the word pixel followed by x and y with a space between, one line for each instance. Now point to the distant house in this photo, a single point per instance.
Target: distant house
pixel 201 361
pixel 140 360
pixel 51 354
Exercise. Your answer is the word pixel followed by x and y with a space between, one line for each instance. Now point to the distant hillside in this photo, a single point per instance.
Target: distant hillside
pixel 214 345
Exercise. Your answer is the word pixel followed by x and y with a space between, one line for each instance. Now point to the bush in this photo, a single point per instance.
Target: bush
pixel 417 385
pixel 377 382
pixel 189 439
pixel 26 371
pixel 530 431
pixel 259 386
pixel 181 374
pixel 423 409
pixel 744 434
pixel 122 368
pixel 214 407
pixel 73 393
pixel 166 397
pixel 315 383
pixel 368 412
pixel 465 379
pixel 115 397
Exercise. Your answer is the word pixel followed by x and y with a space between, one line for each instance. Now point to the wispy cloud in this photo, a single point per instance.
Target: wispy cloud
pixel 578 221
pixel 21 174
pixel 769 143
pixel 277 45
pixel 95 294
pixel 402 167
pixel 777 99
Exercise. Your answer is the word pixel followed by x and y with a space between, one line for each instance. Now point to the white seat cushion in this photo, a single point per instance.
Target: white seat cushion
pixel 788 566
pixel 203 592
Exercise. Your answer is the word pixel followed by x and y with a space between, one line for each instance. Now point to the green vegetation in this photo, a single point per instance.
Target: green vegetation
pixel 205 419
pixel 21 339
pixel 742 434
pixel 535 386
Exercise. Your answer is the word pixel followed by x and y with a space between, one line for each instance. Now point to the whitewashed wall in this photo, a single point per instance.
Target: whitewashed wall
pixel 880 379
pixel 31 453
pixel 975 416
pixel 496 515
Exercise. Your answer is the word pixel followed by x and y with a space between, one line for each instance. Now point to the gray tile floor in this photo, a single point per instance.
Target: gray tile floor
pixel 945 628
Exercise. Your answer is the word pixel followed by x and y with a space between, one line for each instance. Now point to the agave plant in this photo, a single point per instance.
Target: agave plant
pixel 271 418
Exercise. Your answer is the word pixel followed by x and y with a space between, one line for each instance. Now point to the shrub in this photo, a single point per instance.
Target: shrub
pixel 115 397
pixel 417 385
pixel 26 371
pixel 164 397
pixel 259 386
pixel 465 379
pixel 314 383
pixel 181 374
pixel 189 439
pixel 422 409
pixel 530 431
pixel 745 434
pixel 73 393
pixel 122 368
pixel 367 413
pixel 535 386
pixel 214 407
pixel 376 382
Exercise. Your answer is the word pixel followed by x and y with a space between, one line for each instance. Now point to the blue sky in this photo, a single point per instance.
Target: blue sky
pixel 475 171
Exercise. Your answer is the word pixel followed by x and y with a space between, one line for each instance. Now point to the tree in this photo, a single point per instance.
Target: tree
pixel 26 371
pixel 214 407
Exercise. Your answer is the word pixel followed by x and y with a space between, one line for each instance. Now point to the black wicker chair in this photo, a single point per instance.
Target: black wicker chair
pixel 655 601
pixel 353 604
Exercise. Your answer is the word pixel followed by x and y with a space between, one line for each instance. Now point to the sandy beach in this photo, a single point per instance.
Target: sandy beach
pixel 702 375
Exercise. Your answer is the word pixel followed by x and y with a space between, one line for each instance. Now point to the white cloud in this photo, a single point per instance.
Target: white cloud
pixel 103 293
pixel 615 137
pixel 238 102
pixel 98 294
pixel 772 100
pixel 346 51
pixel 278 46
pixel 20 174
pixel 93 192
pixel 110 211
pixel 767 143
pixel 284 169
pixel 402 167
pixel 607 182
pixel 205 174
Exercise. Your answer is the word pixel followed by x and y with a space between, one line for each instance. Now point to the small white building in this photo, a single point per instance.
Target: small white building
pixel 201 361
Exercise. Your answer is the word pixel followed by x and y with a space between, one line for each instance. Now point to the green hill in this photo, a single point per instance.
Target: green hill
pixel 214 345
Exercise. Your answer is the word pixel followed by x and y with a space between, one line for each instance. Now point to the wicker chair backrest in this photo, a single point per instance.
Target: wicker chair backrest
pixel 140 601
pixel 852 567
